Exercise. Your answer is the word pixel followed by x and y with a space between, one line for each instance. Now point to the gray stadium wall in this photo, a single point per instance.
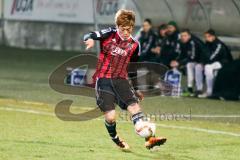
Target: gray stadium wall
pixel 45 35
pixel 198 15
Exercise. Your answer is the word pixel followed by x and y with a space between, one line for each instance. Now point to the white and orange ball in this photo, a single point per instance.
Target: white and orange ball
pixel 145 129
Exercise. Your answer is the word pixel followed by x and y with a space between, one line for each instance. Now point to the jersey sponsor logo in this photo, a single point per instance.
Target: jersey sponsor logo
pixel 122 49
pixel 119 51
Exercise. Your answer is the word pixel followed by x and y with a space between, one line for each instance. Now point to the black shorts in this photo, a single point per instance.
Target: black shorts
pixel 114 91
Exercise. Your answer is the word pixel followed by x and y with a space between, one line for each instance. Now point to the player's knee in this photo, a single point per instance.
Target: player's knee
pixel 110 120
pixel 110 117
pixel 134 108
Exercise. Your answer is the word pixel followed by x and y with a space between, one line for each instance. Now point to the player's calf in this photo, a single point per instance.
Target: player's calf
pixel 111 128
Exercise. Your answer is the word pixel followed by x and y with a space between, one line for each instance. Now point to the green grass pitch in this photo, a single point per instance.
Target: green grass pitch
pixel 31 131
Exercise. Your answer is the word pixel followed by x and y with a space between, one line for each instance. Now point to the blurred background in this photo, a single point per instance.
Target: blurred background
pixel 60 24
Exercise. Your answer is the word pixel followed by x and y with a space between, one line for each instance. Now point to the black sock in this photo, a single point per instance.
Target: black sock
pixel 111 128
pixel 136 117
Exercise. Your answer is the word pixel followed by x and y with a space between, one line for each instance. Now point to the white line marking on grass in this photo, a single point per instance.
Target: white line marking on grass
pixel 199 130
pixel 27 111
pixel 194 129
pixel 212 116
pixel 209 131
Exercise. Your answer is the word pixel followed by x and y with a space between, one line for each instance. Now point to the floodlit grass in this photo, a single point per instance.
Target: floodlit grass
pixel 36 136
pixel 31 131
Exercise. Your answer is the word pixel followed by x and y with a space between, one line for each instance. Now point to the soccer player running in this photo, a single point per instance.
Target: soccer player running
pixel 118 48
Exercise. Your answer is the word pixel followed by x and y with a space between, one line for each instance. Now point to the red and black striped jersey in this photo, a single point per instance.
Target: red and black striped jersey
pixel 115 54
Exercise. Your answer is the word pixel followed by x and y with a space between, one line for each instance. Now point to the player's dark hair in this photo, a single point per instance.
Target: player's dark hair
pixel 148 20
pixel 211 32
pixel 185 30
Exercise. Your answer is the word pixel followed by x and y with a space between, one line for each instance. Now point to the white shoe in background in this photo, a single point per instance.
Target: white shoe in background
pixel 204 95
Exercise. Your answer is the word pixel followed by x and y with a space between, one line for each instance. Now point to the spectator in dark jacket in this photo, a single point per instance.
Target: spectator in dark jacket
pixel 170 45
pixel 220 55
pixel 193 55
pixel 226 85
pixel 162 34
pixel 147 41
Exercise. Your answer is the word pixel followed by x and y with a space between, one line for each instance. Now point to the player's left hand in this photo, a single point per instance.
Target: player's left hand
pixel 139 94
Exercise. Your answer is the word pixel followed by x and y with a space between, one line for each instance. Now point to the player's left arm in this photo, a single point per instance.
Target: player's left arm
pixel 133 73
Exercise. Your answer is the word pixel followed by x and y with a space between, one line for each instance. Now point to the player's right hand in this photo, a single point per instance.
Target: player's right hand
pixel 139 94
pixel 89 44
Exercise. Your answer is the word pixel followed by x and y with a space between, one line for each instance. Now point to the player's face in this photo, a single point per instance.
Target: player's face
pixel 125 31
pixel 209 37
pixel 185 37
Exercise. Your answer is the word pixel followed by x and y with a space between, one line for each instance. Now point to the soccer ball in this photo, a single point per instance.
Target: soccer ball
pixel 145 129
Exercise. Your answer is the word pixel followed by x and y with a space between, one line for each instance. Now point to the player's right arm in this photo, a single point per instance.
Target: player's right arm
pixel 97 35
